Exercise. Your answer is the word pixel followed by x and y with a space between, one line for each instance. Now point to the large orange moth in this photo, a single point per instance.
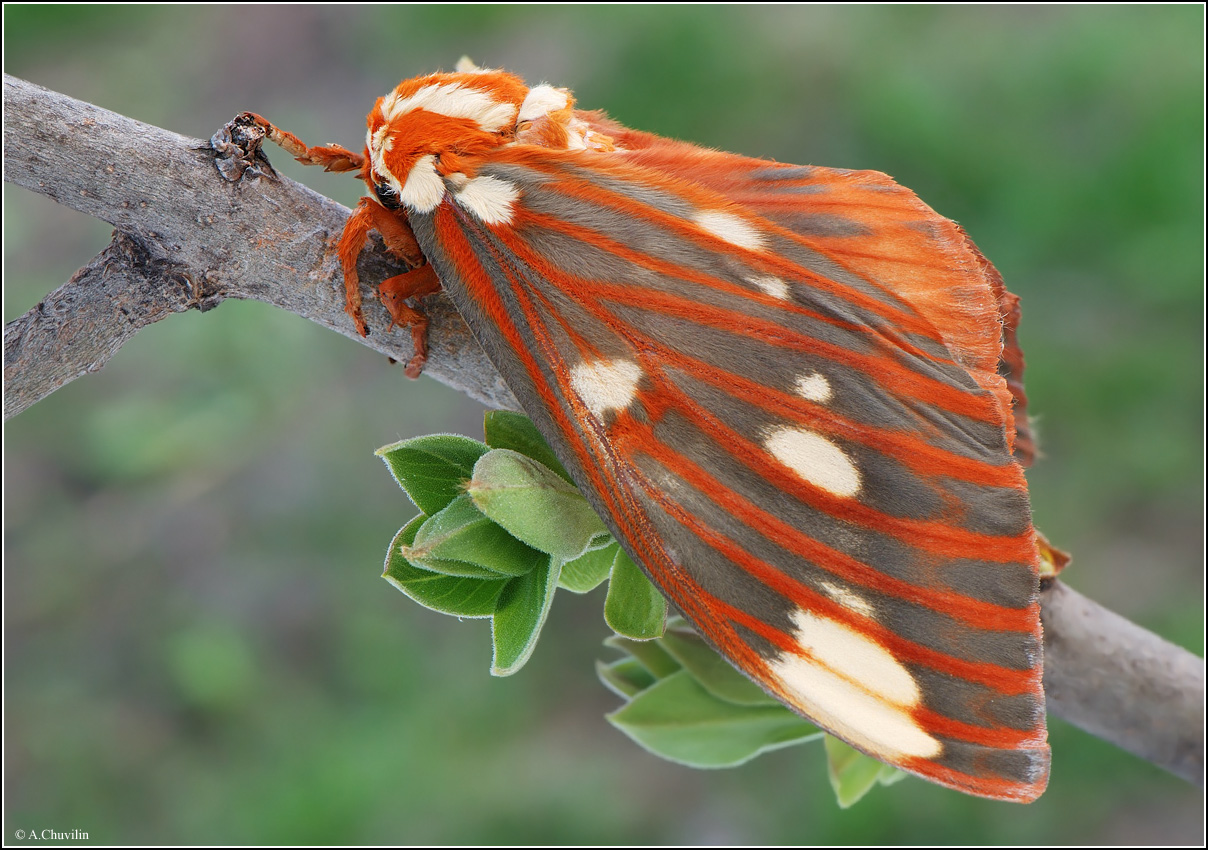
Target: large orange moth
pixel 792 393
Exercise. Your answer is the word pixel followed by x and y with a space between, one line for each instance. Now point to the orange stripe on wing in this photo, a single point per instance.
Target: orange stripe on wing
pixel 634 437
pixel 701 199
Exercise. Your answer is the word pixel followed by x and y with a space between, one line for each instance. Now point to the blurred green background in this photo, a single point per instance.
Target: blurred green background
pixel 198 648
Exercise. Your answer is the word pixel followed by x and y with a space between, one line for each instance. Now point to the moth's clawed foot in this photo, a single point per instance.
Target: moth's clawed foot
pixel 358 320
pixel 415 366
pixel 393 293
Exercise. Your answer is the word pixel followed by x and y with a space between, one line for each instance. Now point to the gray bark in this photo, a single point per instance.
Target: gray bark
pixel 186 239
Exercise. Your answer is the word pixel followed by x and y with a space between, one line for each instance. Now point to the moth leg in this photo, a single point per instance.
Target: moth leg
pixel 356 234
pixel 331 157
pixel 396 233
pixel 393 292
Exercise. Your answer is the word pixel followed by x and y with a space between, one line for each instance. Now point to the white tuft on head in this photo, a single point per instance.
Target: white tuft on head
pixel 424 189
pixel 453 100
pixel 542 100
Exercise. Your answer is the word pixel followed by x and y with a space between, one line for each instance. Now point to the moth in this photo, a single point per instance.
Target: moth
pixel 793 394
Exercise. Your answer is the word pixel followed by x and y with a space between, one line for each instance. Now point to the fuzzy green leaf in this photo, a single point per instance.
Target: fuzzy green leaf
pixel 534 504
pixel 589 570
pixel 461 597
pixel 649 652
pixel 625 677
pixel 460 541
pixel 677 719
pixel 505 429
pixel 853 774
pixel 634 608
pixel 714 673
pixel 519 615
pixel 432 470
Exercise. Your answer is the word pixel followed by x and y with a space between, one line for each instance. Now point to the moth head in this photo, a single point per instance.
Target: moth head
pixel 433 127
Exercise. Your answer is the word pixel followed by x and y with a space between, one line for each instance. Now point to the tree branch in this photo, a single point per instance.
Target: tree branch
pixel 267 240
pixel 1122 683
pixel 187 238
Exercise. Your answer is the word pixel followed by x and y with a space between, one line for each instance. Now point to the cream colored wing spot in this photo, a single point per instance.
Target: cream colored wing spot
pixel 849 599
pixel 815 459
pixel 867 704
pixel 814 387
pixel 772 286
pixel 606 384
pixel 424 189
pixel 489 198
pixel 730 228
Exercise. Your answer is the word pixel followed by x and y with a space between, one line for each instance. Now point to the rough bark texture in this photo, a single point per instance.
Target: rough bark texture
pixel 188 238
pixel 181 224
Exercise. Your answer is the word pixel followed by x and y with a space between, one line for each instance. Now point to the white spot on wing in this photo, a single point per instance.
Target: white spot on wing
pixel 814 387
pixel 847 598
pixel 773 286
pixel 424 189
pixel 855 687
pixel 455 101
pixel 606 384
pixel 489 198
pixel 541 100
pixel 730 227
pixel 816 459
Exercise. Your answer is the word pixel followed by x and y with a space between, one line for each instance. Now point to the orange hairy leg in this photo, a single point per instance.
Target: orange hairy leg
pixel 392 292
pixel 331 157
pixel 370 215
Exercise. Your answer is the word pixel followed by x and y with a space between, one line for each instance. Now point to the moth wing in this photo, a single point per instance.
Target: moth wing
pixel 790 447
pixel 876 228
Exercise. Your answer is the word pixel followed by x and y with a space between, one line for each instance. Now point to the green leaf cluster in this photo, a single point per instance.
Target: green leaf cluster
pixel 501 528
pixel 685 703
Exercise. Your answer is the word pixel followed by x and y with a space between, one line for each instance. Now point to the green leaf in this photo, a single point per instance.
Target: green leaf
pixel 853 774
pixel 890 775
pixel 649 652
pixel 625 677
pixel 589 570
pixel 634 608
pixel 677 719
pixel 432 470
pixel 714 673
pixel 519 614
pixel 507 430
pixel 461 597
pixel 534 504
pixel 460 541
